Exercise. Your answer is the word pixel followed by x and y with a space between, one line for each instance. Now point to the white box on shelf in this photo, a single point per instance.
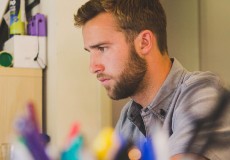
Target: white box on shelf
pixel 27 51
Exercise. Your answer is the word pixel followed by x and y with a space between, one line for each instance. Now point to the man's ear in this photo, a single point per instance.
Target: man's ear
pixel 144 42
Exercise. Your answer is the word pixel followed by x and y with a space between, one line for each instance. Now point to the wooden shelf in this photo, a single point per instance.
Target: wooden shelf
pixel 18 87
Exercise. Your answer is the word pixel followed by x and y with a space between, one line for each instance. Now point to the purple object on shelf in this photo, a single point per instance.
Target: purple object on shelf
pixel 37 25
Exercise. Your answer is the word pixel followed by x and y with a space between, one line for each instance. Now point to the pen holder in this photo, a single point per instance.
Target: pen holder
pixel 37 26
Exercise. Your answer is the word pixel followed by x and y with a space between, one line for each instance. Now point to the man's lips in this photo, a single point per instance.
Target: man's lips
pixel 104 80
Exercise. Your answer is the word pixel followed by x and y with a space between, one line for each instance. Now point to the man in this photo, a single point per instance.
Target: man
pixel 126 40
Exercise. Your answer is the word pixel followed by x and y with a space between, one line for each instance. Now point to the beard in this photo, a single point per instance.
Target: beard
pixel 130 80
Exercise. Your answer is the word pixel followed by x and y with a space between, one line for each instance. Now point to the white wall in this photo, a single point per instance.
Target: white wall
pixel 215 37
pixel 199 34
pixel 183 31
pixel 72 93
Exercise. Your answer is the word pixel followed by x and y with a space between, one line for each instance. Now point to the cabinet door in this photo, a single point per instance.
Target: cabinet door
pixel 18 87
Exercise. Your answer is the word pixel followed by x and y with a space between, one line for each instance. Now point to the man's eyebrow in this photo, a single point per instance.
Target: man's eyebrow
pixel 96 45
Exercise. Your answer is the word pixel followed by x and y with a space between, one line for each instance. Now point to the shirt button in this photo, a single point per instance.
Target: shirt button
pixel 162 112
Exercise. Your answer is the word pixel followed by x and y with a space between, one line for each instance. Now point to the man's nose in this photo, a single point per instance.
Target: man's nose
pixel 95 64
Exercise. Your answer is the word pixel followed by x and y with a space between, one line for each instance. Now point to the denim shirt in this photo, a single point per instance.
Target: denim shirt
pixel 183 98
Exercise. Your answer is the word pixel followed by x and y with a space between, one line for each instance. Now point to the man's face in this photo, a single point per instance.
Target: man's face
pixel 115 62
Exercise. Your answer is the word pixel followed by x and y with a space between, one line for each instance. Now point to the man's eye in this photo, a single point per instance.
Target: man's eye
pixel 101 49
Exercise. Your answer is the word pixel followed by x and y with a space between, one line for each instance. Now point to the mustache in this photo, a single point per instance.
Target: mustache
pixel 102 75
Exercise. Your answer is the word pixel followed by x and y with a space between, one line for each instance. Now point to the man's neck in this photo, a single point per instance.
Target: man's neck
pixel 156 74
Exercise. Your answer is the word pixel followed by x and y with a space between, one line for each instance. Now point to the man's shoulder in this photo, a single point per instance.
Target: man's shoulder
pixel 201 79
pixel 197 94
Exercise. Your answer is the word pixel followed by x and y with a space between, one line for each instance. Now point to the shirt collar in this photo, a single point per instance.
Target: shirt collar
pixel 170 84
pixel 161 102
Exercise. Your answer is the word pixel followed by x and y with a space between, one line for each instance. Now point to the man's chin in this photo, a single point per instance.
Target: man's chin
pixel 112 94
pixel 113 97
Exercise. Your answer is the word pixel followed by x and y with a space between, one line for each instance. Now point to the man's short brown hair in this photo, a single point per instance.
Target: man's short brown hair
pixel 133 16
